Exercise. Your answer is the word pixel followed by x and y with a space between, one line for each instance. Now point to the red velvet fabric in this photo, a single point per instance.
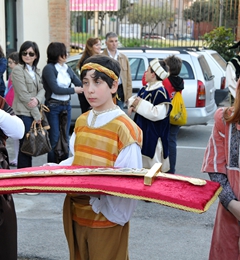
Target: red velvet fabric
pixel 177 194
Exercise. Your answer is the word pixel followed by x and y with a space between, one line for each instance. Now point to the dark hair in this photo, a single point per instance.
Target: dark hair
pixel 87 51
pixel 106 62
pixel 54 51
pixel 14 56
pixel 1 52
pixel 175 64
pixel 111 35
pixel 26 45
pixel 164 66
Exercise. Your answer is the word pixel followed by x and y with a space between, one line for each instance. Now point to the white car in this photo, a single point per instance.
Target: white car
pixel 198 93
pixel 218 68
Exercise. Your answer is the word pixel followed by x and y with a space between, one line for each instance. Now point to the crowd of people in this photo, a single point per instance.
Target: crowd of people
pixel 96 225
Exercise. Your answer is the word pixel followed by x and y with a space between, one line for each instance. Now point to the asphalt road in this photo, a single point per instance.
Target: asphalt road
pixel 156 232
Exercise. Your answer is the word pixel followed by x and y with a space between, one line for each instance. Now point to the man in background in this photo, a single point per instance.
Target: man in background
pixel 125 80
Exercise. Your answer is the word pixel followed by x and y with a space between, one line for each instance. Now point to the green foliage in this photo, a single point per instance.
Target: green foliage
pixel 220 39
pixel 148 15
pixel 199 11
pixel 126 42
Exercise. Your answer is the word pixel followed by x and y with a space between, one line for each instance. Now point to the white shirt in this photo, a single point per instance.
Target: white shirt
pixel 63 81
pixel 31 71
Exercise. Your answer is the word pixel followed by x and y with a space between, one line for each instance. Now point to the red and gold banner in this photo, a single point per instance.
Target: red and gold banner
pixel 173 193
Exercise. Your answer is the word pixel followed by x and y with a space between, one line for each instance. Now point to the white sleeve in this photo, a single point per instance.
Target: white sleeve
pixel 151 112
pixel 117 209
pixel 12 126
pixel 231 79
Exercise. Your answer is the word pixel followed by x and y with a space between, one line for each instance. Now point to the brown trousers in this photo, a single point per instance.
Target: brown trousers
pixel 101 243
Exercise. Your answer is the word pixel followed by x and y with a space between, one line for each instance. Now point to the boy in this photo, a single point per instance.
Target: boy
pixel 173 84
pixel 152 106
pixel 97 226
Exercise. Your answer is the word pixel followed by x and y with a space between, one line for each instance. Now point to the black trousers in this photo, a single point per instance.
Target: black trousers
pixel 8 228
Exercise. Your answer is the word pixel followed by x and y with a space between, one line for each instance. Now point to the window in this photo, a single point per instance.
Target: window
pixel 205 68
pixel 186 71
pixel 137 68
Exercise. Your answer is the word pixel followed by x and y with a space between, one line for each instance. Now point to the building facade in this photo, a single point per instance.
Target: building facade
pixel 41 21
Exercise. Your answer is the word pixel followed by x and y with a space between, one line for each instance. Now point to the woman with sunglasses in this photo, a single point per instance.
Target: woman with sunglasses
pixel 28 92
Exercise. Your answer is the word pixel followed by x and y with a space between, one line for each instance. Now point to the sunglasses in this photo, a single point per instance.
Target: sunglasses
pixel 30 54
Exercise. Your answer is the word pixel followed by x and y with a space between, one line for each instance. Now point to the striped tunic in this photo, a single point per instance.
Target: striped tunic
pixel 107 140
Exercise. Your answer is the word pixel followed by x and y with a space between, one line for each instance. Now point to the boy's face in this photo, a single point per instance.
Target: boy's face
pixel 97 92
pixel 11 63
pixel 149 76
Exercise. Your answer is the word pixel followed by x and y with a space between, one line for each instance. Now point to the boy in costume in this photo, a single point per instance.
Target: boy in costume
pixel 97 226
pixel 153 106
pixel 173 84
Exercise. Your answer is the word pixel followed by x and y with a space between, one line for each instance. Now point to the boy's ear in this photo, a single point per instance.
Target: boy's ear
pixel 114 87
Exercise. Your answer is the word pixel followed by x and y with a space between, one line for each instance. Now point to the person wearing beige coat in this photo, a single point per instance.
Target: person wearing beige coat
pixel 125 81
pixel 28 92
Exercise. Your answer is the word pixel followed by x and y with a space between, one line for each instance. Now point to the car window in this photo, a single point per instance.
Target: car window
pixel 73 65
pixel 186 71
pixel 219 59
pixel 137 68
pixel 205 68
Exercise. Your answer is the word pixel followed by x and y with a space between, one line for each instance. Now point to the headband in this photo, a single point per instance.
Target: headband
pixel 158 69
pixel 100 68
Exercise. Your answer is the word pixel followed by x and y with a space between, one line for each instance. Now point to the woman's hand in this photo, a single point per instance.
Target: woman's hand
pixel 33 102
pixel 234 208
pixel 78 90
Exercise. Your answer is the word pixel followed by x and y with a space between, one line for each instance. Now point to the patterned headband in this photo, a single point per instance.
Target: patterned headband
pixel 100 68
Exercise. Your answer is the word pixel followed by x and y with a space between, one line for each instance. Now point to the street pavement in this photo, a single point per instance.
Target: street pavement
pixel 156 232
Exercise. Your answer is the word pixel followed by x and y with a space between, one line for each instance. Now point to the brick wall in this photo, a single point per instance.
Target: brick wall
pixel 59 21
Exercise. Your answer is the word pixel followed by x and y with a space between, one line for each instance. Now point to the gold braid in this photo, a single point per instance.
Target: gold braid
pixel 100 68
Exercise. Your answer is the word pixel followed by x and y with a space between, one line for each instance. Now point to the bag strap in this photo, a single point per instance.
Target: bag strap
pixel 44 108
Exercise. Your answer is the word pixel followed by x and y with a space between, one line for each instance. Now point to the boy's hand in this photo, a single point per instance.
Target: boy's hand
pixel 130 110
pixel 135 102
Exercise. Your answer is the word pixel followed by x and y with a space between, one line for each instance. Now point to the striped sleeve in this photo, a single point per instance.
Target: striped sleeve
pixel 215 155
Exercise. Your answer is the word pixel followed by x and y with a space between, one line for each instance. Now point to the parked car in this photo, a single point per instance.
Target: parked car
pixel 185 37
pixel 199 90
pixel 154 36
pixel 171 36
pixel 218 68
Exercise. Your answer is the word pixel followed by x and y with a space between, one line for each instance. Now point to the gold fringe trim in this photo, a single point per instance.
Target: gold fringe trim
pixel 165 203
pixel 212 200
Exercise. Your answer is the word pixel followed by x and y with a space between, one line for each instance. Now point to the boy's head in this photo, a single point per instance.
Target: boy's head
pixel 175 64
pixel 159 68
pixel 105 68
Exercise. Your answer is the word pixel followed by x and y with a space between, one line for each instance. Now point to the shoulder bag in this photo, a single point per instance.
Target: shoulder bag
pixel 36 142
